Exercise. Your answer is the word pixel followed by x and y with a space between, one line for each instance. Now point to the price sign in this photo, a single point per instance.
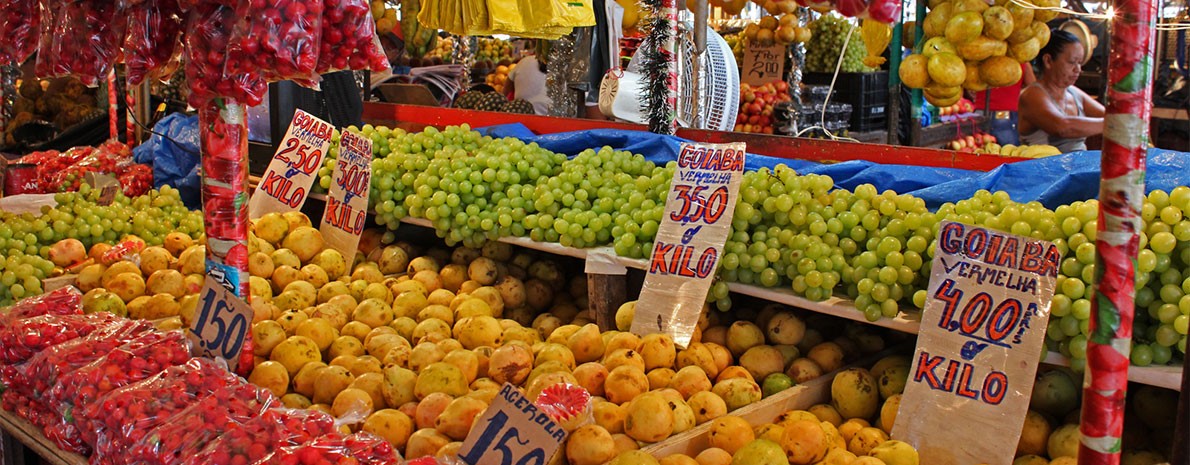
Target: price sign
pixel 982 332
pixel 346 209
pixel 763 65
pixel 512 431
pixel 690 239
pixel 106 184
pixel 221 322
pixel 287 182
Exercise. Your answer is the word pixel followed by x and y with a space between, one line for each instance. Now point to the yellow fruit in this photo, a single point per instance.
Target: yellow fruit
pixel 271 376
pixel 1026 51
pixel 1064 442
pixel 997 22
pixel 865 440
pixel 1034 435
pixel 827 413
pixel 945 69
pixel 730 433
pixel 648 418
pixel 625 383
pixel 854 394
pixel 804 442
pixel 888 413
pixel 455 422
pixel 760 452
pixel 391 425
pixel 440 377
pixel 935 23
pixel 964 27
pixel 329 382
pixel 913 71
pixel 981 48
pixel 590 445
pixel 895 453
pixel 892 380
pixel 706 406
pixel 1000 71
pixel 295 352
pixel 973 82
pixel 737 392
pixel 634 457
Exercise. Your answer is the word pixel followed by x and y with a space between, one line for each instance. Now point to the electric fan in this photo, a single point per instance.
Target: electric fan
pixel 707 99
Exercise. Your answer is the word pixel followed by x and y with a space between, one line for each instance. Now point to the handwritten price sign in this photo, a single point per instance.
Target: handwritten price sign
pixel 763 65
pixel 696 224
pixel 512 431
pixel 221 322
pixel 347 205
pixel 983 329
pixel 287 182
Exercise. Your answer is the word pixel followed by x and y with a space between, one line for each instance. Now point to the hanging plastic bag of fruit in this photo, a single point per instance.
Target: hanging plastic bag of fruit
pixel 876 37
pixel 277 39
pixel 208 28
pixel 46 65
pixel 852 8
pixel 89 34
pixel 19 22
pixel 153 43
pixel 884 11
pixel 572 13
pixel 349 39
pixel 476 21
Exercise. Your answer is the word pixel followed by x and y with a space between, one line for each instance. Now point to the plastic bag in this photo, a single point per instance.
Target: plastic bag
pixel 359 448
pixel 208 30
pixel 349 39
pixel 876 36
pixel 20 23
pixel 22 339
pixel 136 180
pixel 43 370
pixel 153 43
pixel 62 301
pixel 47 65
pixel 193 428
pixel 885 11
pixel 277 39
pixel 567 404
pixel 272 430
pixel 174 160
pixel 125 416
pixel 89 35
pixel 26 408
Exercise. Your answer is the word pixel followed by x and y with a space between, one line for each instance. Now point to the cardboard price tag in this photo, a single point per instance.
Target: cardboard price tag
pixel 690 239
pixel 221 322
pixel 346 209
pixel 107 185
pixel 763 65
pixel 287 182
pixel 982 332
pixel 512 431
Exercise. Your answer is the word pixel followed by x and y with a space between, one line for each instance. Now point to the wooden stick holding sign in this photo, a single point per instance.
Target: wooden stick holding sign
pixel 697 221
pixel 347 204
pixel 286 184
pixel 982 333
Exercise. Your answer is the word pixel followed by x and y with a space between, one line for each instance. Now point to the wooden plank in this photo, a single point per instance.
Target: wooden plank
pixel 415 118
pixel 32 438
pixel 11 452
pixel 606 293
pixel 1169 377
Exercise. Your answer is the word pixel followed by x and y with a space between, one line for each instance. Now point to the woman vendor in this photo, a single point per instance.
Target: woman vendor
pixel 1052 110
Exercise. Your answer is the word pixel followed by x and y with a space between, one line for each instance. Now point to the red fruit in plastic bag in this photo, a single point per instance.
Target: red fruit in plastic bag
pixel 276 38
pixel 24 338
pixel 62 301
pixel 89 34
pixel 26 408
pixel 126 415
pixel 208 32
pixel 153 43
pixel 272 430
pixel 47 43
pixel 136 180
pixel 885 11
pixel 359 448
pixel 20 22
pixel 851 8
pixel 124 249
pixel 44 369
pixel 349 38
pixel 193 428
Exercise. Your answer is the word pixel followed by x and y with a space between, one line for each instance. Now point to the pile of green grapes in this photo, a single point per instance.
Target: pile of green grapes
pixel 828 33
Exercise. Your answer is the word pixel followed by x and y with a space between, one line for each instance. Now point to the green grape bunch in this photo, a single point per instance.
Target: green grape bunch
pixel 829 32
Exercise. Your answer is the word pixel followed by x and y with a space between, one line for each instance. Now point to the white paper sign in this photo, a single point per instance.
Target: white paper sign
pixel 512 431
pixel 982 332
pixel 346 209
pixel 221 322
pixel 690 239
pixel 287 182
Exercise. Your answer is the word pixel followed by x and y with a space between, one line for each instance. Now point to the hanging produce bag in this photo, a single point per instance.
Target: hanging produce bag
pixel 153 43
pixel 89 34
pixel 19 24
pixel 208 33
pixel 505 16
pixel 349 39
pixel 46 65
pixel 572 13
pixel 885 11
pixel 876 36
pixel 475 18
pixel 277 39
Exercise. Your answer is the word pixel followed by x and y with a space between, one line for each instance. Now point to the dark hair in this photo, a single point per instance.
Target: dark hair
pixel 1059 39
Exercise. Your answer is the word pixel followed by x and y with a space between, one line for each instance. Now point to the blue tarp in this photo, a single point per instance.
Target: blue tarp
pixel 1053 181
pixel 174 157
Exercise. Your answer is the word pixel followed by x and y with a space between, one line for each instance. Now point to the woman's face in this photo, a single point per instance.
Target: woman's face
pixel 1065 68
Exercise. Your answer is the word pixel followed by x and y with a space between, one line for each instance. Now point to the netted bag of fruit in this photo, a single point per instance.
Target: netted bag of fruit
pixel 125 416
pixel 208 35
pixel 62 301
pixel 153 41
pixel 89 34
pixel 191 429
pixel 349 39
pixel 136 180
pixel 48 366
pixel 277 39
pixel 359 448
pixel 19 22
pixel 272 430
pixel 24 338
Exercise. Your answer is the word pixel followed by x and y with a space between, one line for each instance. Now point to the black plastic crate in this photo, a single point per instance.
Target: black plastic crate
pixel 866 92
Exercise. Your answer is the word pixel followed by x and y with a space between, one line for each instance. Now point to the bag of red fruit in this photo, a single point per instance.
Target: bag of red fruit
pixel 272 430
pixel 278 39
pixel 24 338
pixel 191 429
pixel 43 370
pixel 208 30
pixel 125 416
pixel 62 301
pixel 26 408
pixel 349 39
pixel 52 167
pixel 359 448
pixel 19 22
pixel 153 41
pixel 47 65
pixel 89 35
pixel 136 180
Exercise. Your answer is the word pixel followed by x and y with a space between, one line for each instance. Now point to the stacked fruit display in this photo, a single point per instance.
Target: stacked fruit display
pixel 973 46
pixel 385 17
pixel 499 76
pixel 756 106
pixel 825 44
pixel 419 40
pixel 444 49
pixel 493 50
pixel 781 28
pixel 975 143
pixel 492 101
pixel 65 171
pixel 961 107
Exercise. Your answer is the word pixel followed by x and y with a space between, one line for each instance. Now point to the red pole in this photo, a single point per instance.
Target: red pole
pixel 1121 195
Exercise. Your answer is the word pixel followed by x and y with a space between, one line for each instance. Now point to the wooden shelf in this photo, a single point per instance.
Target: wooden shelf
pixel 30 436
pixel 1169 377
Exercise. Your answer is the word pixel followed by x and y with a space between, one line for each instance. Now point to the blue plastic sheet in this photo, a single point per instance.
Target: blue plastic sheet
pixel 1053 181
pixel 175 157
